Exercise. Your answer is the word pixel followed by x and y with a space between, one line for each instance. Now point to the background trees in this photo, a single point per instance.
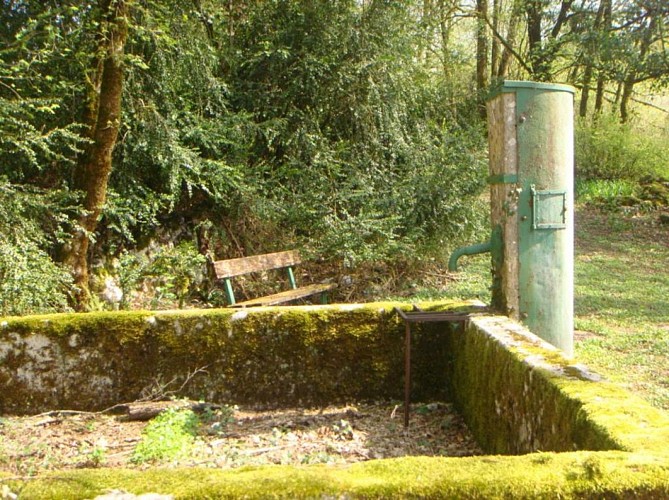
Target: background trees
pixel 152 131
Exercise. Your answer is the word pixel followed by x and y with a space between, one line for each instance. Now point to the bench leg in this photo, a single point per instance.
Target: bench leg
pixel 227 285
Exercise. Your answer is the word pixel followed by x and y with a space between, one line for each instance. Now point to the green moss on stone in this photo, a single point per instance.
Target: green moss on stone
pixel 277 356
pixel 517 394
pixel 568 475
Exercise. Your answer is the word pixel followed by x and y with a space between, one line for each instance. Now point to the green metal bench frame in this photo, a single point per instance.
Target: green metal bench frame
pixel 228 269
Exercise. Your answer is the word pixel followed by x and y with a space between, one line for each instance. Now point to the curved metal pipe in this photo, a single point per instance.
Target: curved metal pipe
pixel 470 250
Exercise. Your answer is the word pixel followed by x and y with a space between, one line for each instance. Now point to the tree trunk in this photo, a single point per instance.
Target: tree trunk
pixel 481 45
pixel 93 171
pixel 632 77
pixel 543 52
pixel 628 88
pixel 606 13
pixel 445 25
pixel 590 56
pixel 599 94
pixel 510 39
pixel 535 39
pixel 481 51
pixel 495 49
pixel 427 27
pixel 585 91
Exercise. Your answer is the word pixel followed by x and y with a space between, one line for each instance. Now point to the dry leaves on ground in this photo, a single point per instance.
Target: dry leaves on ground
pixel 336 434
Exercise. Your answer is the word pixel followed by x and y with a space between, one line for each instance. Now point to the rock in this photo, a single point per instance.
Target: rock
pixel 656 192
pixel 112 293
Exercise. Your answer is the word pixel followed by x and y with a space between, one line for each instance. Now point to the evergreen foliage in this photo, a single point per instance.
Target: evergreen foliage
pixel 31 222
pixel 349 128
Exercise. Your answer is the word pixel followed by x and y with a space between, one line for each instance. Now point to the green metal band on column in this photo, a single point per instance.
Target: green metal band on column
pixel 503 179
pixel 511 86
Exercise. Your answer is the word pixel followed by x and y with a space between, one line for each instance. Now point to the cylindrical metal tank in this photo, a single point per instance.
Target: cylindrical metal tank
pixel 531 138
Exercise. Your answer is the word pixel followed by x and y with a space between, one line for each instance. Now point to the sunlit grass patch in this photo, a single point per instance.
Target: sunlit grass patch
pixel 604 191
pixel 622 302
pixel 621 298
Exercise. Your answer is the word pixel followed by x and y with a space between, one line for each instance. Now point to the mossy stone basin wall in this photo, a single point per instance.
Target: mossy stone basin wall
pixel 578 436
pixel 519 394
pixel 308 355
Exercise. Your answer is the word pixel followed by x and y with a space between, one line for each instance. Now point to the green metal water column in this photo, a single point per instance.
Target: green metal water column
pixel 532 206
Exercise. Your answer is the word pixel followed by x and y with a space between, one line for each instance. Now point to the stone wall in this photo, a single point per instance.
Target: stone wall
pixel 283 356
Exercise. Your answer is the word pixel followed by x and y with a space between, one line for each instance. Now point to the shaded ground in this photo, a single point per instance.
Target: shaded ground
pixel 341 434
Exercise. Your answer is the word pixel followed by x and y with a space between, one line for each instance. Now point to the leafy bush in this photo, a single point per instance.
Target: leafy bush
pixel 30 222
pixel 30 282
pixel 166 276
pixel 174 269
pixel 607 149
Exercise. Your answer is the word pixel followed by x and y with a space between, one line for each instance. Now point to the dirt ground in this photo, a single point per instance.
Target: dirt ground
pixel 336 434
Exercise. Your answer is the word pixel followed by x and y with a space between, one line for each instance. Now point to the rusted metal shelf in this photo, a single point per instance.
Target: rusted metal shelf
pixel 417 315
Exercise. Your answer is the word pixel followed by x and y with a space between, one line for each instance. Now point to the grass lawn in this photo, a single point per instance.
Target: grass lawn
pixel 621 299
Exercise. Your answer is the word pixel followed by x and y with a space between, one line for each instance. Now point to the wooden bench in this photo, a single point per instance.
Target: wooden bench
pixel 228 269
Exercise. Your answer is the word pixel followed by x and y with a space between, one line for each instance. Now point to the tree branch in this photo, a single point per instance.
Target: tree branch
pixel 507 46
pixel 635 99
pixel 562 17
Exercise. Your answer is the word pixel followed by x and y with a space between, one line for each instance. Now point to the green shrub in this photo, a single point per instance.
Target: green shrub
pixel 30 282
pixel 167 436
pixel 31 221
pixel 167 276
pixel 607 149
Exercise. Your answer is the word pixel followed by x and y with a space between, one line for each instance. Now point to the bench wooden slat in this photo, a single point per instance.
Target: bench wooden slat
pixel 256 263
pixel 287 296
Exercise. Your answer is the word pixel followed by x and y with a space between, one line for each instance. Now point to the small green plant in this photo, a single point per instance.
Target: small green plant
pixel 605 192
pixel 131 272
pixel 92 457
pixel 168 436
pixel 167 276
pixel 215 422
pixel 343 430
pixel 277 434
pixel 318 457
pixel 175 269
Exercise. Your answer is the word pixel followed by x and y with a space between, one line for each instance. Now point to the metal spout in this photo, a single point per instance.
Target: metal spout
pixel 470 250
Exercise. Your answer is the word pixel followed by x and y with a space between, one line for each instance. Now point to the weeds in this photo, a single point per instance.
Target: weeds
pixel 174 432
pixel 216 421
pixel 343 430
pixel 92 457
pixel 604 192
pixel 168 436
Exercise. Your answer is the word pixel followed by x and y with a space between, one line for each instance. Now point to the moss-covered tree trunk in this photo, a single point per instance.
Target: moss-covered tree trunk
pixel 104 114
pixel 481 49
